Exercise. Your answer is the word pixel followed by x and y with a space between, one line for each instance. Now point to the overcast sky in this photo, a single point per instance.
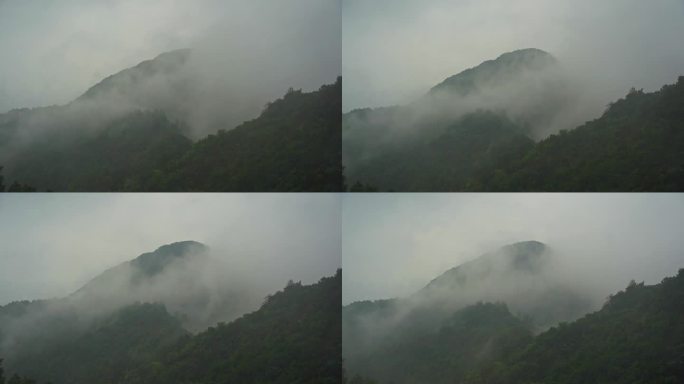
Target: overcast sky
pixel 54 243
pixel 395 50
pixel 52 51
pixel 394 244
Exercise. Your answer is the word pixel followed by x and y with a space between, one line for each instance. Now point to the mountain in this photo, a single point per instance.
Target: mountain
pixel 295 337
pixel 503 69
pixel 144 268
pixel 462 318
pixel 111 159
pixel 480 117
pixel 138 130
pixel 181 288
pixel 294 145
pixel 636 145
pixel 525 257
pixel 131 83
pixel 637 337
pixel 132 324
pixel 103 351
pixel 511 124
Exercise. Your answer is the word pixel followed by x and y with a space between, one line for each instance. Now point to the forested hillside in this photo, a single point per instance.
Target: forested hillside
pixel 295 337
pixel 294 145
pixel 462 319
pixel 636 337
pixel 479 130
pixel 637 145
pixel 139 322
pixel 132 132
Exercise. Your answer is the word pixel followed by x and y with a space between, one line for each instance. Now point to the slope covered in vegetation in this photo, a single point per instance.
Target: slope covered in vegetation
pixel 295 145
pixel 295 337
pixel 636 337
pixel 471 133
pixel 122 136
pixel 637 145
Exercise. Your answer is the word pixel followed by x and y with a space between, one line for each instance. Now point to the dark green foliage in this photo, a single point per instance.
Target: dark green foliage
pixel 637 337
pixel 295 145
pixel 18 187
pixel 448 161
pixel 637 145
pixel 121 156
pixel 102 353
pixel 358 380
pixel 15 187
pixel 472 337
pixel 360 187
pixel 295 337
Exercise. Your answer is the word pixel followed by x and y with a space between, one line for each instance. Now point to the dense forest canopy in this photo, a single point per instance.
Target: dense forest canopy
pixel 124 134
pixel 138 323
pixel 510 125
pixel 636 337
pixel 434 334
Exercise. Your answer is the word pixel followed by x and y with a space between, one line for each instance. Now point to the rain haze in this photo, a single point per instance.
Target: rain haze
pixel 54 243
pixel 395 50
pixel 394 245
pixel 252 50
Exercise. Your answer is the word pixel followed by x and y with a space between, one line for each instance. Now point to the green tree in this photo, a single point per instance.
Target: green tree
pixel 2 373
pixel 2 189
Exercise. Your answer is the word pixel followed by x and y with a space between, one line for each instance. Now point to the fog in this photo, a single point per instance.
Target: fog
pixel 394 245
pixel 243 54
pixel 394 51
pixel 55 243
pixel 416 265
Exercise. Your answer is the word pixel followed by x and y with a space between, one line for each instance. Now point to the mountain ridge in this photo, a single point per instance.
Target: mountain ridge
pixel 165 63
pixel 468 80
pixel 144 266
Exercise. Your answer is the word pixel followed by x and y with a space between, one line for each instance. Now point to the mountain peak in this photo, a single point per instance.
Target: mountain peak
pixel 525 256
pixel 181 247
pixel 151 263
pixel 503 69
pixel 528 53
pixel 128 81
pixel 147 265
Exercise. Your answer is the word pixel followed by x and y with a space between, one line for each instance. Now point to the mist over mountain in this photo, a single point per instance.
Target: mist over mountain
pixel 525 278
pixel 527 91
pixel 183 276
pixel 121 324
pixel 134 131
pixel 115 102
pixel 510 316
pixel 637 336
pixel 480 130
